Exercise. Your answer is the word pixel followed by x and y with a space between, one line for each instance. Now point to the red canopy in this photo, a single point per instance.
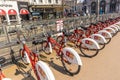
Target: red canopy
pixel 2 12
pixel 24 11
pixel 12 12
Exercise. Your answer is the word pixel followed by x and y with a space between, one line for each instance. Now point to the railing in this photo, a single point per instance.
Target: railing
pixel 51 26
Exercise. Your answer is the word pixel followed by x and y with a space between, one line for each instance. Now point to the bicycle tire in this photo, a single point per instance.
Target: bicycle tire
pixel 45 47
pixel 68 70
pixel 60 40
pixel 108 40
pixel 81 46
pixel 102 46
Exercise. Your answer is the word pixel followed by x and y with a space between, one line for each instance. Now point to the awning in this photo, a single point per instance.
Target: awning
pixel 2 12
pixel 24 11
pixel 12 12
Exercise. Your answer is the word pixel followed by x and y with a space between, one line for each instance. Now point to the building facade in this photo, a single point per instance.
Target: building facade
pixel 104 6
pixel 46 9
pixel 13 11
pixel 30 9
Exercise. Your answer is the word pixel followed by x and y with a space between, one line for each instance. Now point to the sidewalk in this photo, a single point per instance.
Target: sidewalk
pixel 104 66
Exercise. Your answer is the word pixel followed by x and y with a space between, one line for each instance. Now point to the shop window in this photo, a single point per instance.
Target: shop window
pixel 40 1
pixel 49 1
pixel 93 7
pixel 56 1
pixel 112 5
pixel 102 6
pixel 2 19
pixel 34 0
pixel 12 17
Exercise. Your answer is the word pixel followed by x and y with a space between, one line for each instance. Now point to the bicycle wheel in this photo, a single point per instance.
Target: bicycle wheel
pixel 60 40
pixel 88 52
pixel 46 48
pixel 102 46
pixel 108 40
pixel 69 67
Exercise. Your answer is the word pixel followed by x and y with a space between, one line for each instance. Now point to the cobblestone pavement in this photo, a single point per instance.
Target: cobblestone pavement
pixel 105 66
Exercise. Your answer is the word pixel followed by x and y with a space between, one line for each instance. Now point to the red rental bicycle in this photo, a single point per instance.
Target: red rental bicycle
pixel 87 46
pixel 41 70
pixel 2 76
pixel 69 57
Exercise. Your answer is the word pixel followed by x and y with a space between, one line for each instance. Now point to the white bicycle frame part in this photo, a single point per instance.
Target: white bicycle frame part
pixel 25 58
pixel 50 47
pixel 73 57
pixel 92 43
pixel 100 38
pixel 108 34
pixel 6 79
pixel 41 68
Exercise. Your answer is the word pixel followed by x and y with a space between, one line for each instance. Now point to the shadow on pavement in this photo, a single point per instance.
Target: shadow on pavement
pixel 56 67
pixel 29 78
pixel 26 74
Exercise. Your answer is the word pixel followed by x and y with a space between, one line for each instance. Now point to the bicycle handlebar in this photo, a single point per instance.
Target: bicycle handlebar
pixel 2 60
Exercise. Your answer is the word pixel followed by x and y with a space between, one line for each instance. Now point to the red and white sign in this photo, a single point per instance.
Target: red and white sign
pixel 59 25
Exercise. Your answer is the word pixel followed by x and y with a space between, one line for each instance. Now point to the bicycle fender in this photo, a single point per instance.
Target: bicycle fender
pixel 26 58
pixel 50 49
pixel 110 30
pixel 71 55
pixel 98 38
pixel 114 27
pixel 90 43
pixel 117 26
pixel 105 34
pixel 43 71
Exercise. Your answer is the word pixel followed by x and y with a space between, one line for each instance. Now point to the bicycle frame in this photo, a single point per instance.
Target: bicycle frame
pixel 52 41
pixel 62 51
pixel 40 69
pixel 78 36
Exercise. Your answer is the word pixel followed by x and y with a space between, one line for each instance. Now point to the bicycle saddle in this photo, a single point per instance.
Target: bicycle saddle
pixel 36 42
pixel 84 28
pixel 12 31
pixel 67 33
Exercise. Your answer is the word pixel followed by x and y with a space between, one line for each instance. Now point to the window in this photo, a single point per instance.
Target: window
pixel 12 17
pixel 40 1
pixel 102 6
pixel 49 1
pixel 34 0
pixel 93 7
pixel 113 6
pixel 56 1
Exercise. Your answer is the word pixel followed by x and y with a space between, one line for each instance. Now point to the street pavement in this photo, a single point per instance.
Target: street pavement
pixel 104 66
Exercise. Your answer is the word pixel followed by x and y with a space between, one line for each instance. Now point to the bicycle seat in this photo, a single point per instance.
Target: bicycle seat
pixel 67 33
pixel 2 60
pixel 36 42
pixel 12 31
pixel 84 28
